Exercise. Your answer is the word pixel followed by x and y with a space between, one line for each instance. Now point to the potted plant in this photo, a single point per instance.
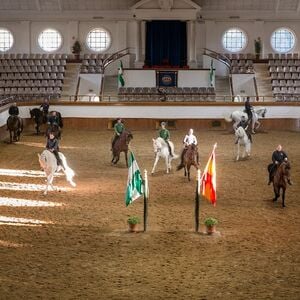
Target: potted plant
pixel 133 222
pixel 210 224
pixel 257 46
pixel 76 49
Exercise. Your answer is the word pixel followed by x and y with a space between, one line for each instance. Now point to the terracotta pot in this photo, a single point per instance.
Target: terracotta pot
pixel 133 227
pixel 211 229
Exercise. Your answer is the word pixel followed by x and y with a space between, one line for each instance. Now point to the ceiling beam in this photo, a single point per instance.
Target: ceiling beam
pixel 298 6
pixel 60 7
pixel 38 5
pixel 139 4
pixel 193 4
pixel 277 3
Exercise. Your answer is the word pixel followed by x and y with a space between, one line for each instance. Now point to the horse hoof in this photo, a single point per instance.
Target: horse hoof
pixel 274 200
pixel 283 206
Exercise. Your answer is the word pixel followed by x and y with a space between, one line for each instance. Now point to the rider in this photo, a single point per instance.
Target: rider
pixel 118 129
pixel 165 135
pixel 278 157
pixel 44 107
pixel 52 146
pixel 13 110
pixel 189 139
pixel 53 119
pixel 244 123
pixel 248 109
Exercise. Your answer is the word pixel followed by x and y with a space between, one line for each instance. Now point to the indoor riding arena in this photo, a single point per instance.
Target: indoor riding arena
pixel 218 67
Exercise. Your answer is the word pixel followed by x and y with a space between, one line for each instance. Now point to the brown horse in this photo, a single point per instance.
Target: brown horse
pixel 189 158
pixel 15 127
pixel 281 178
pixel 121 145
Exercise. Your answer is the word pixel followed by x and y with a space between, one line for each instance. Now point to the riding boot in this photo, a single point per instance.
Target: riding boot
pixel 170 150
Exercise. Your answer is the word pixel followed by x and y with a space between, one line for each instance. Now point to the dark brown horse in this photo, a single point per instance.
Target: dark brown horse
pixel 15 127
pixel 121 145
pixel 280 180
pixel 55 129
pixel 189 158
pixel 39 118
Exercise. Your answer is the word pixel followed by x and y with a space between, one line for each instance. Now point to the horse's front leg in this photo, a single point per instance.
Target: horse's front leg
pixel 185 171
pixel 11 136
pixel 276 193
pixel 188 171
pixel 258 125
pixel 155 163
pixel 167 163
pixel 238 151
pixel 126 158
pixel 283 197
pixel 47 185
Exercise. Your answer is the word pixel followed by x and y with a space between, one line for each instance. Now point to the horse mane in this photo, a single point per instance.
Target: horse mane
pixel 161 140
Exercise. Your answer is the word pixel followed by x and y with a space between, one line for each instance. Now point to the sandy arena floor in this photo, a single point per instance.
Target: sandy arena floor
pixel 83 251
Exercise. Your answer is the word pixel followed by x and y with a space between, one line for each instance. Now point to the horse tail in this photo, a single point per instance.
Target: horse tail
pixel 228 119
pixel 181 166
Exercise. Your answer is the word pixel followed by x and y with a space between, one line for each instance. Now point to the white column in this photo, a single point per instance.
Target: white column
pixel 138 49
pixel 192 44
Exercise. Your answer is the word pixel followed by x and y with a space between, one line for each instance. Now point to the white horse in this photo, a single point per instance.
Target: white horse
pixel 257 112
pixel 242 140
pixel 48 163
pixel 161 149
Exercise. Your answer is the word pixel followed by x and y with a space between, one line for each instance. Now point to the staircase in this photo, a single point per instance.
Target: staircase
pixel 222 88
pixel 110 86
pixel 70 79
pixel 263 80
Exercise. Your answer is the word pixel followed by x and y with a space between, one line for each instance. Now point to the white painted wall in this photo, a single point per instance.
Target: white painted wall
pixel 156 112
pixel 215 30
pixel 124 34
pixel 194 78
pixel 139 78
pixel 90 85
pixel 186 78
pixel 243 84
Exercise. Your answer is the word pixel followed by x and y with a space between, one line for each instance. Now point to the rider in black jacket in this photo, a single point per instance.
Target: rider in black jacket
pixel 52 146
pixel 278 157
pixel 13 110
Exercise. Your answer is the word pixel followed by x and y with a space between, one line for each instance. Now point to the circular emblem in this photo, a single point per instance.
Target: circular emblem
pixel 166 79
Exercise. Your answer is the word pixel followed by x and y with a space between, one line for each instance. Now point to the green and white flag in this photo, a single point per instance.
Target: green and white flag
pixel 211 73
pixel 135 185
pixel 120 74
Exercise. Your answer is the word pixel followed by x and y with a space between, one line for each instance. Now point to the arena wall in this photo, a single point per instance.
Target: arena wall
pixel 143 116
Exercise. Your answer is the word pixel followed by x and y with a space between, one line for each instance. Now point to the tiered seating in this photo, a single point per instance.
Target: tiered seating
pixel 93 63
pixel 167 94
pixel 240 63
pixel 32 75
pixel 285 75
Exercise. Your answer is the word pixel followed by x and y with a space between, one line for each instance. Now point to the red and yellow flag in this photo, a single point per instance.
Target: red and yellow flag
pixel 209 187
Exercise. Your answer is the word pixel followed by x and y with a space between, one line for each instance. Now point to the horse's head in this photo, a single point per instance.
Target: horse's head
pixel 157 145
pixel 240 132
pixel 285 169
pixel 261 111
pixel 128 137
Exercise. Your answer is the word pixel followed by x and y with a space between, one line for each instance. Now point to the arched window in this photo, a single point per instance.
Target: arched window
pixel 98 39
pixel 50 40
pixel 283 40
pixel 234 40
pixel 6 39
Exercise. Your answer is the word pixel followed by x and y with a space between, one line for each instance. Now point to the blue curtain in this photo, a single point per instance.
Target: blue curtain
pixel 166 43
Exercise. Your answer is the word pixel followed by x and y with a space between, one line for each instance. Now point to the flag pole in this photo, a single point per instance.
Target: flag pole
pixel 197 201
pixel 146 195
